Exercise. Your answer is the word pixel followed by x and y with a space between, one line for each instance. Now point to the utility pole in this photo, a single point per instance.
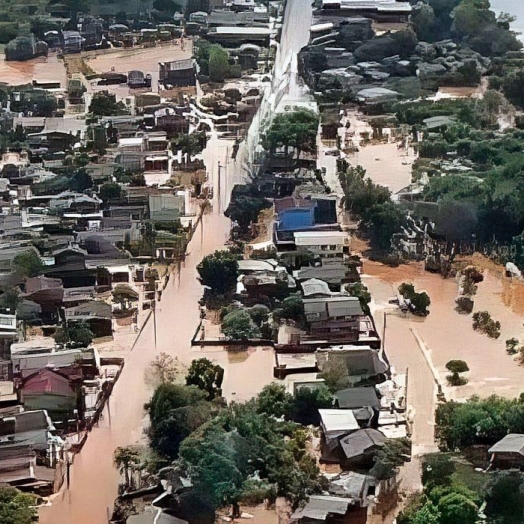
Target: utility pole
pixel 154 319
pixel 218 189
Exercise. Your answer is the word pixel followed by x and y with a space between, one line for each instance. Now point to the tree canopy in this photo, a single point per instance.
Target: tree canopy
pixel 16 507
pixel 206 376
pixel 219 271
pixel 28 264
pixel 478 421
pixel 238 325
pixel 295 130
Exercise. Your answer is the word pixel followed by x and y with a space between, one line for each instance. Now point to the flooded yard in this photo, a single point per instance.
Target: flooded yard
pixel 42 68
pixel 449 335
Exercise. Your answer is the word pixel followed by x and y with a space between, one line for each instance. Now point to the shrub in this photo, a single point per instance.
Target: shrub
pixel 483 322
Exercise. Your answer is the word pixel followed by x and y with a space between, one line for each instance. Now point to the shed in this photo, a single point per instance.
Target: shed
pixel 508 452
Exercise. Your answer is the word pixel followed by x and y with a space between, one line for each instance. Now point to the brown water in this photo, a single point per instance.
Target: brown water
pixel 93 478
pixel 42 68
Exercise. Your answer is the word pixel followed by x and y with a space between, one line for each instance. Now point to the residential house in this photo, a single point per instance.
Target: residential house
pixel 325 244
pixel 355 363
pixel 48 293
pixel 329 510
pixel 70 266
pixel 356 398
pixel 336 319
pixel 8 333
pixel 51 390
pixel 380 10
pixel 233 35
pixel 294 214
pixel 335 424
pixel 166 207
pixel 96 313
pixel 179 73
pixel 34 427
pixel 333 272
pixel 358 449
pixel 29 361
pixel 508 453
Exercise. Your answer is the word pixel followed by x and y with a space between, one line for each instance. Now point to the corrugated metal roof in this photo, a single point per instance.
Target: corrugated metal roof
pixel 512 443
pixel 361 441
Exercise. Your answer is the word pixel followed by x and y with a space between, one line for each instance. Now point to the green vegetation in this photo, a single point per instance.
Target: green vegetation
pixel 75 334
pixel 213 61
pixel 163 369
pixel 294 132
pixel 364 296
pixel 418 302
pixel 16 507
pixel 478 421
pixel 219 272
pixel 105 104
pixel 175 412
pixel 110 191
pixel 390 457
pixel 456 367
pixel 206 376
pixel 370 203
pixel 483 323
pixel 504 496
pixel 27 264
pixel 245 206
pixel 238 325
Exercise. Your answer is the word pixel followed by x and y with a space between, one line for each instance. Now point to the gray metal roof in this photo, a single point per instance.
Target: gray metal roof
pixel 320 506
pixel 355 398
pixel 361 441
pixel 512 443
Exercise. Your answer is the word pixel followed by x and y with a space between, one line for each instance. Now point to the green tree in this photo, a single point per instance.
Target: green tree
pixel 275 401
pixel 483 322
pixel 293 307
pixel 27 264
pixel 244 210
pixel 364 296
pixel 168 6
pixel 80 181
pixel 295 130
pixel 105 104
pixel 126 460
pixel 124 295
pixel 176 411
pixel 219 271
pixel 219 68
pixel 10 299
pixel 307 402
pixel 238 325
pixel 16 507
pixel 456 367
pixel 504 496
pixel 437 469
pixel 206 376
pixel 110 191
pixel 77 334
pixel 390 457
pixel 456 507
pixel 470 17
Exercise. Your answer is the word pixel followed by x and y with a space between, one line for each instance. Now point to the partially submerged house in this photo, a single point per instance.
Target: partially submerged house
pixel 358 449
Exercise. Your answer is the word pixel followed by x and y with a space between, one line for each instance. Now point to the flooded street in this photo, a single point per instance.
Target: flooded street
pixel 94 480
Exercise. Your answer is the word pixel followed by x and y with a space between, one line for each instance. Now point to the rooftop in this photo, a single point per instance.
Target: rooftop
pixel 512 443
pixel 354 398
pixel 361 441
pixel 338 420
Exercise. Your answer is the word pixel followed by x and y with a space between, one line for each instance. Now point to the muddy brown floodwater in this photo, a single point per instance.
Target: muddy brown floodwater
pixel 42 68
